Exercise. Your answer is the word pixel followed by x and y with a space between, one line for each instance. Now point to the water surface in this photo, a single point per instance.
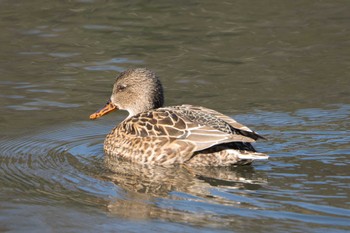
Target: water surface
pixel 280 67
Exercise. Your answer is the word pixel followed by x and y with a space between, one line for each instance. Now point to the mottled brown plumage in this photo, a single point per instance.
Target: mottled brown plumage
pixel 185 134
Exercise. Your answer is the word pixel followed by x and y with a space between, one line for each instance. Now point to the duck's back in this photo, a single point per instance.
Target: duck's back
pixel 217 120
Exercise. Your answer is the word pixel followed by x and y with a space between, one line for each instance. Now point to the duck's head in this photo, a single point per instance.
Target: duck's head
pixel 135 90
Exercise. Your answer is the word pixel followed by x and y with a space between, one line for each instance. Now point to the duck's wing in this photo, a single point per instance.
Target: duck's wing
pixel 178 128
pixel 236 126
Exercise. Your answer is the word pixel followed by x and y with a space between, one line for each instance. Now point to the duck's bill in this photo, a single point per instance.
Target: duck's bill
pixel 109 107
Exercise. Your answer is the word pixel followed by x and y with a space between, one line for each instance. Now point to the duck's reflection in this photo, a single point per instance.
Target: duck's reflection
pixel 146 186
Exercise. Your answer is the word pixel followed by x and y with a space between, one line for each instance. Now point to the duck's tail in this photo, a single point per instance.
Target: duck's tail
pixel 248 155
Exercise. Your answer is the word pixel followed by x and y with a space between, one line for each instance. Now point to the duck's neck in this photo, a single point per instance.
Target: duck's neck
pixel 145 105
pixel 134 111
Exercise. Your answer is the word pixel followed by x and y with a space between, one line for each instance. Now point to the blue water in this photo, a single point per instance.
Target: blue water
pixel 59 175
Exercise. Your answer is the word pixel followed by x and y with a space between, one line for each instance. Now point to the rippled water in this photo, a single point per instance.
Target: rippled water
pixel 282 68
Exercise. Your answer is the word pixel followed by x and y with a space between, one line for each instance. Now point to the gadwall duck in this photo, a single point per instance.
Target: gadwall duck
pixel 185 134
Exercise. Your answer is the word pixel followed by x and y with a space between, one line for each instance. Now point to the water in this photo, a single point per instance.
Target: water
pixel 280 67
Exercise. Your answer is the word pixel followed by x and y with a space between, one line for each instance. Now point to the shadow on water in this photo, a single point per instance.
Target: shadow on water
pixel 169 192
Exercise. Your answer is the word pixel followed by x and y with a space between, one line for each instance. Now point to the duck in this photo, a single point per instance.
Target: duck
pixel 183 134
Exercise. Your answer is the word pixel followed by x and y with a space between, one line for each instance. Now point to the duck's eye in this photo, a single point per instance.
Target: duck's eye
pixel 121 87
